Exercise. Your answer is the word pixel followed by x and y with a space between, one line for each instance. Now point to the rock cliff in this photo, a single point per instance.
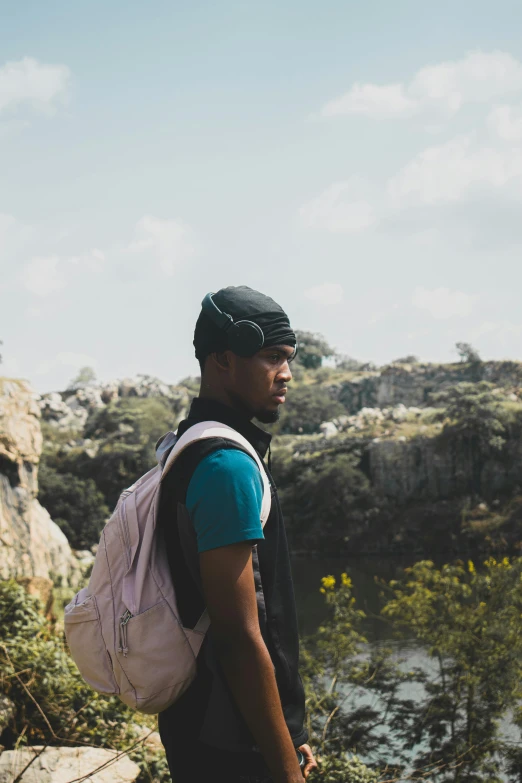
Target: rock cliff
pixel 413 384
pixel 422 469
pixel 30 542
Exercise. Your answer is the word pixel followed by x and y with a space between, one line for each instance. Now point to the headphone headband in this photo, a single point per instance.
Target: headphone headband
pixel 245 338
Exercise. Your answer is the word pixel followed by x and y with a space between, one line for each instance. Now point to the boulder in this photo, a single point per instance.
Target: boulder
pixel 151 739
pixel 31 544
pixel 62 765
pixel 7 710
pixel 61 415
pixel 328 429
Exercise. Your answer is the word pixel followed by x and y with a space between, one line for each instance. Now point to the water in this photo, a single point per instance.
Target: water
pixel 307 573
pixel 312 610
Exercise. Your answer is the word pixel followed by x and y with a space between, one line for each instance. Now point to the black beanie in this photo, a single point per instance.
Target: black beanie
pixel 243 304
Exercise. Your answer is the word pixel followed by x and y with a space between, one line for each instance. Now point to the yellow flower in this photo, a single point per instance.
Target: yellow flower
pixel 328 582
pixel 471 567
pixel 346 581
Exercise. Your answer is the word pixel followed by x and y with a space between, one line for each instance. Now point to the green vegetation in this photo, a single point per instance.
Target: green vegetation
pixel 320 491
pixel 313 348
pixel 75 504
pixel 327 485
pixel 310 405
pixel 123 436
pixel 86 376
pixel 468 353
pixel 53 705
pixel 441 722
pixel 475 420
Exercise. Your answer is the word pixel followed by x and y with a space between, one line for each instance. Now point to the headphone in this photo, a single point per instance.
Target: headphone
pixel 245 338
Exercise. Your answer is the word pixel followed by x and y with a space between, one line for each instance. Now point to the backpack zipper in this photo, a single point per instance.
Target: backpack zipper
pixel 124 646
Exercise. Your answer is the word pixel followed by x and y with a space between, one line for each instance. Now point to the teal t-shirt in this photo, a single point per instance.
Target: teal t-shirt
pixel 224 499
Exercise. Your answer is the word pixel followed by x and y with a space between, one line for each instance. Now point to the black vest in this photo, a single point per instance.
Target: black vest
pixel 207 710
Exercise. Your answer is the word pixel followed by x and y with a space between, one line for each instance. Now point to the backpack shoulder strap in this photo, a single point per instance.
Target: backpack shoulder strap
pixel 214 429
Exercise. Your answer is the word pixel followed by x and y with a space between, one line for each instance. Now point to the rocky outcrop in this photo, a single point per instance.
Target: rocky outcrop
pixel 413 384
pixel 69 410
pixel 31 544
pixel 62 765
pixel 422 468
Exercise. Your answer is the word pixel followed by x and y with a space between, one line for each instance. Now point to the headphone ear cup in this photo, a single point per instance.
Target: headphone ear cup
pixel 245 338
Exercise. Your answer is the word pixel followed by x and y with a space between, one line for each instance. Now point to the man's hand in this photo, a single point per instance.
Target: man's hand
pixel 311 763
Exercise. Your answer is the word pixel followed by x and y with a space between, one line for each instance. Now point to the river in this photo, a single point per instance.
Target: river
pixel 311 611
pixel 307 573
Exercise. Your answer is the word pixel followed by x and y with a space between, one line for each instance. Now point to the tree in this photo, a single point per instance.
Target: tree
pixel 125 431
pixel 312 349
pixel 469 623
pixel 75 504
pixel 327 495
pixel 468 353
pixel 410 359
pixel 86 377
pixel 307 407
pixel 474 417
pixel 344 362
pixel 439 722
pixel 332 661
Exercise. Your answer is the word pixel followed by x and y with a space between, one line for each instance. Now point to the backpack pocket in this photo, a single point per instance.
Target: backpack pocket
pixel 84 636
pixel 156 654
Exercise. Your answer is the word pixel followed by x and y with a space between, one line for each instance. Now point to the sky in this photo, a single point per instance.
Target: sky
pixel 361 163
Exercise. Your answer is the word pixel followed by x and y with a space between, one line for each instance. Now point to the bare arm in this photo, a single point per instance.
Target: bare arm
pixel 228 585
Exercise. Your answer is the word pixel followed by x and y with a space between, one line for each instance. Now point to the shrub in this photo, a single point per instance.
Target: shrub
pixel 307 407
pixel 312 349
pixel 75 504
pixel 53 705
pixel 125 433
pixel 323 497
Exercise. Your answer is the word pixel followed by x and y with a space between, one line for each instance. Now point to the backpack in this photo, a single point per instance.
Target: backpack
pixel 123 630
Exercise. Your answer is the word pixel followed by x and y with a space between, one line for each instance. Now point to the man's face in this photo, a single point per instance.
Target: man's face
pixel 259 383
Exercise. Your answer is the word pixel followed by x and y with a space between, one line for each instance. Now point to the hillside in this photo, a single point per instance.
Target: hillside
pixel 366 459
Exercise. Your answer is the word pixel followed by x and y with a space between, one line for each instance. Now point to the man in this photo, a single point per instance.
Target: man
pixel 242 719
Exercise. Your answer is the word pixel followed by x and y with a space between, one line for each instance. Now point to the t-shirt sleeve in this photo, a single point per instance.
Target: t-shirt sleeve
pixel 224 499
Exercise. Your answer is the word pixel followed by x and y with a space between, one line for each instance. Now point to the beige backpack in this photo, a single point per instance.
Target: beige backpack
pixel 123 629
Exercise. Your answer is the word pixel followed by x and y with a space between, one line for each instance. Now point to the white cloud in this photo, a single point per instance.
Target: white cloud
pixel 28 81
pixel 92 260
pixel 169 241
pixel 325 294
pixel 506 122
pixel 467 171
pixel 372 100
pixel 43 276
pixel 445 87
pixel 442 303
pixel 66 359
pixel 339 210
pixel 449 171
